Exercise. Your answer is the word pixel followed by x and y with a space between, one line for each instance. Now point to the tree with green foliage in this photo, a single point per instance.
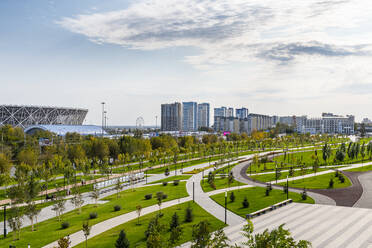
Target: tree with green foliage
pixel 5 166
pixel 159 198
pixel 64 242
pixel 278 237
pixel 153 233
pixel 86 230
pixel 15 215
pixel 245 202
pixel 77 199
pixel 59 206
pixel 118 187
pixel 340 155
pixel 175 235
pixel 232 196
pixel 175 222
pixel 122 241
pixel 201 234
pixel 189 216
pixel 230 178
pixel 95 195
pixel 138 210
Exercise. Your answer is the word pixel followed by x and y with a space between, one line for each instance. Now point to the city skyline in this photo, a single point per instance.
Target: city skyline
pixel 274 58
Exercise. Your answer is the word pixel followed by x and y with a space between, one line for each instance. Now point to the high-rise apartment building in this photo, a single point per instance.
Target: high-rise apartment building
pixel 171 117
pixel 190 116
pixel 221 112
pixel 230 112
pixel 203 115
pixel 241 113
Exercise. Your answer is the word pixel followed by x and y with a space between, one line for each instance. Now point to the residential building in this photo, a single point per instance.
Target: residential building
pixel 190 116
pixel 221 112
pixel 241 113
pixel 171 117
pixel 230 112
pixel 203 115
pixel 328 123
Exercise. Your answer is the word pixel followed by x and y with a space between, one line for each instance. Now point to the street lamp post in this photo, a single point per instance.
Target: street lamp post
pixel 225 206
pixel 146 175
pixel 4 221
pixel 103 116
pixel 193 190
pixel 287 187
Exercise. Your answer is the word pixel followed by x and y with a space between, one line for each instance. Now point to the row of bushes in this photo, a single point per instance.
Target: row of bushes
pixel 175 183
pixel 149 196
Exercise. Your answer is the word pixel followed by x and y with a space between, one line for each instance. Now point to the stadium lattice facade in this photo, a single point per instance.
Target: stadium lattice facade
pixel 24 116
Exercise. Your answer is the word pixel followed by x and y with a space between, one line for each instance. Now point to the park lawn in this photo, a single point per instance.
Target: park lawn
pixel 271 177
pixel 257 199
pixel 318 182
pixel 135 233
pixel 50 230
pixel 172 178
pixel 221 183
pixel 361 169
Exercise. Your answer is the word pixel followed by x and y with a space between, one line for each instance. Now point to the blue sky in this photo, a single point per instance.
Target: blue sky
pixel 273 57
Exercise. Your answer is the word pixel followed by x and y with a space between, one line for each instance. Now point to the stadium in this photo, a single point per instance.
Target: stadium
pixel 25 116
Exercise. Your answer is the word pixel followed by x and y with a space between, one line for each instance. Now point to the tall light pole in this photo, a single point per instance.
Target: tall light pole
pixel 225 206
pixel 4 221
pixel 287 187
pixel 103 116
pixel 193 189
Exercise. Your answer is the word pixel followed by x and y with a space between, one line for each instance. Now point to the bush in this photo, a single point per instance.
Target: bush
pixel 117 208
pixel 336 173
pixel 165 196
pixel 93 215
pixel 148 196
pixel 165 183
pixel 330 183
pixel 267 193
pixel 341 178
pixel 232 197
pixel 245 203
pixel 189 216
pixel 166 172
pixel 65 225
pixel 176 182
pixel 304 195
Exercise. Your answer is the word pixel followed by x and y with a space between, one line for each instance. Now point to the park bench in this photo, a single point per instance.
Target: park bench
pixel 268 209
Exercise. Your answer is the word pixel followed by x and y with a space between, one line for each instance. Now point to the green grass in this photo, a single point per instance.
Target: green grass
pixel 50 230
pixel 319 182
pixel 361 169
pixel 172 178
pixel 135 233
pixel 256 198
pixel 221 183
pixel 283 175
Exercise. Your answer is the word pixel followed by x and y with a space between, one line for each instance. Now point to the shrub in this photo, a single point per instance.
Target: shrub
pixel 232 197
pixel 174 221
pixel 330 183
pixel 65 225
pixel 176 182
pixel 117 208
pixel 165 196
pixel 93 215
pixel 245 203
pixel 166 172
pixel 267 193
pixel 148 196
pixel 341 178
pixel 189 216
pixel 165 183
pixel 304 195
pixel 336 173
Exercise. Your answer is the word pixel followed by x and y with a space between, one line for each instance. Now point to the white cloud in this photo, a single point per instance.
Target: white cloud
pixel 232 30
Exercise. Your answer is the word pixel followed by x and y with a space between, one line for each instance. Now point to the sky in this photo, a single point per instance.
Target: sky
pixel 272 57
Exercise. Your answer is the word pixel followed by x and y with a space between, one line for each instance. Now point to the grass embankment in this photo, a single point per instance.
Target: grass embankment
pixel 135 233
pixel 257 199
pixel 361 169
pixel 221 183
pixel 319 182
pixel 284 174
pixel 50 230
pixel 173 178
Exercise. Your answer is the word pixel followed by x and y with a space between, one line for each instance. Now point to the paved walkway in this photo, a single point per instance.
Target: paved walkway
pixel 322 225
pixel 365 201
pixel 240 175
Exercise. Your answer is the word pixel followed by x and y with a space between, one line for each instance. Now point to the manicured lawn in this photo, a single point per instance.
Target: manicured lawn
pixel 319 182
pixel 221 183
pixel 283 175
pixel 172 178
pixel 135 233
pixel 256 198
pixel 362 169
pixel 50 230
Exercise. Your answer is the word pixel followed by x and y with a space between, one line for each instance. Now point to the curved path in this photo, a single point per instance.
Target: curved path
pixel 365 201
pixel 240 174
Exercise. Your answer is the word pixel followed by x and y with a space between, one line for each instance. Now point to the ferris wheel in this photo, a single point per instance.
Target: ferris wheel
pixel 140 122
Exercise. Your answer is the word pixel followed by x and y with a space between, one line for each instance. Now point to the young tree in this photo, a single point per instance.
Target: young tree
pixel 230 178
pixel 219 240
pixel 31 211
pixel 95 195
pixel 59 206
pixel 122 241
pixel 64 242
pixel 279 237
pixel 201 234
pixel 15 221
pixel 154 234
pixel 77 200
pixel 174 221
pixel 118 188
pixel 138 210
pixel 86 230
pixel 159 198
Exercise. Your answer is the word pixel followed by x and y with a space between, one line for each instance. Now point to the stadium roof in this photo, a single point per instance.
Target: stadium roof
pixel 62 130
